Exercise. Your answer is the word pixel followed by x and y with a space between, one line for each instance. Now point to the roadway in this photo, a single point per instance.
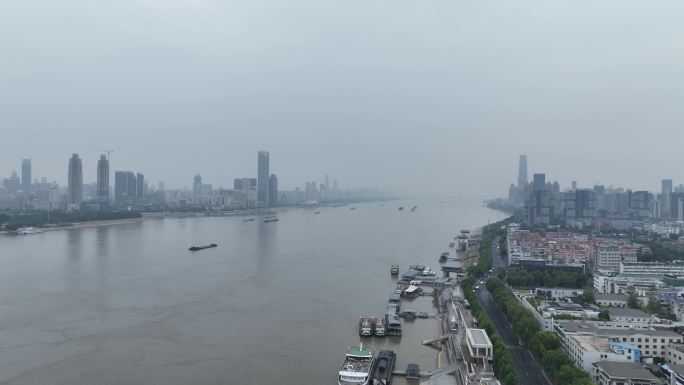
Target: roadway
pixel 526 367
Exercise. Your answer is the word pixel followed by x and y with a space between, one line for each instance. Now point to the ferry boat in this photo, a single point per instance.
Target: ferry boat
pixel 366 326
pixel 28 231
pixel 379 327
pixel 356 369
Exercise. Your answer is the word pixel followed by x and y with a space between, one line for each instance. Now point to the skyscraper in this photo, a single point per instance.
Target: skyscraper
pixel 103 180
pixel 273 190
pixel 75 182
pixel 539 182
pixel 120 186
pixel 522 172
pixel 666 198
pixel 197 188
pixel 263 179
pixel 140 186
pixel 26 175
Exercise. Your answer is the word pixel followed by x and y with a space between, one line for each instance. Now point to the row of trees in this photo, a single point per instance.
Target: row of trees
pixel 503 364
pixel 545 345
pixel 12 221
pixel 531 279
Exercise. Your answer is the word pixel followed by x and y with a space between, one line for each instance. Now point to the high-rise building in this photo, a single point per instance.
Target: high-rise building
pixel 140 186
pixel 666 198
pixel 132 185
pixel 263 178
pixel 75 182
pixel 125 187
pixel 539 182
pixel 522 172
pixel 273 190
pixel 574 186
pixel 26 175
pixel 103 180
pixel 161 186
pixel 197 188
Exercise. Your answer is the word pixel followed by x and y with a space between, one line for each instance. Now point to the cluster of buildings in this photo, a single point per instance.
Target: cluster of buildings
pixel 544 203
pixel 613 351
pixel 531 249
pixel 131 191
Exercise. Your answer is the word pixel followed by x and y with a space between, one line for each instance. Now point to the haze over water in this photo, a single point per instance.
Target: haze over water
pixel 275 303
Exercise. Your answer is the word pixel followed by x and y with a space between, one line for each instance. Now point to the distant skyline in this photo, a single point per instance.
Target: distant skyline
pixel 416 98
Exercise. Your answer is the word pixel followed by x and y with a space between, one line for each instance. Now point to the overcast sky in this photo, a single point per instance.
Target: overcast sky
pixel 432 97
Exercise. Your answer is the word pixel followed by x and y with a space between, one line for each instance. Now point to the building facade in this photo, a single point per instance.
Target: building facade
pixel 103 180
pixel 75 181
pixel 263 178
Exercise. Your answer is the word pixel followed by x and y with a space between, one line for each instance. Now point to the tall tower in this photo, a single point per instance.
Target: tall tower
pixel 522 172
pixel 103 180
pixel 197 188
pixel 26 175
pixel 263 178
pixel 75 182
pixel 539 182
pixel 273 190
pixel 139 186
pixel 666 197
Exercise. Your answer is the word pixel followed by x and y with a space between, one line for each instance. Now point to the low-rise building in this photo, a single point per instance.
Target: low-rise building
pixel 674 354
pixel 622 373
pixel 651 343
pixel 625 314
pixel 612 300
pixel 623 284
pixel 479 345
pixel 653 269
pixel 585 350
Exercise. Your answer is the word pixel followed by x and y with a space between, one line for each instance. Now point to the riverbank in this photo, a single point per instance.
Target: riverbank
pixel 88 224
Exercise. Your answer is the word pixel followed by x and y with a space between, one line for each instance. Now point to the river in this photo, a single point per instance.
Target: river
pixel 275 303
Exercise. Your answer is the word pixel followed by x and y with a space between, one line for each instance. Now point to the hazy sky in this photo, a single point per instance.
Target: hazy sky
pixel 413 96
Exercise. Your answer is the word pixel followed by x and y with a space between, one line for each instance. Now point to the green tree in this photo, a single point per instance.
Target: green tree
pixel 633 299
pixel 588 296
pixel 653 306
pixel 604 315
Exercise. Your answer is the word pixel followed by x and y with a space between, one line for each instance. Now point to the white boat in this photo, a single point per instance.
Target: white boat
pixel 356 369
pixel 28 230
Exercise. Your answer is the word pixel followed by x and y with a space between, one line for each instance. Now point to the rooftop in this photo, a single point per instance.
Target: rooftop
pixel 626 370
pixel 593 343
pixel 478 337
pixel 627 312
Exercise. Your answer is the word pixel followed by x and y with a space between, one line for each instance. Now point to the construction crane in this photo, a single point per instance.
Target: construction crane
pixel 107 151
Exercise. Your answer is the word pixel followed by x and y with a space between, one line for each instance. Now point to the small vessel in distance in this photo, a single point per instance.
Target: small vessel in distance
pixel 197 248
pixel 352 208
pixel 28 231
pixel 356 369
pixel 317 212
pixel 414 208
pixel 394 270
pixel 248 220
pixel 382 370
pixel 270 219
pixel 401 208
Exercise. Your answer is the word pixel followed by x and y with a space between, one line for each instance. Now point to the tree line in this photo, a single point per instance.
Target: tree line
pixel 545 345
pixel 502 362
pixel 532 279
pixel 12 221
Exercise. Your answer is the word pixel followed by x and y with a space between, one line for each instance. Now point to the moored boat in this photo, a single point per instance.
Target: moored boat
pixel 382 370
pixel 356 369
